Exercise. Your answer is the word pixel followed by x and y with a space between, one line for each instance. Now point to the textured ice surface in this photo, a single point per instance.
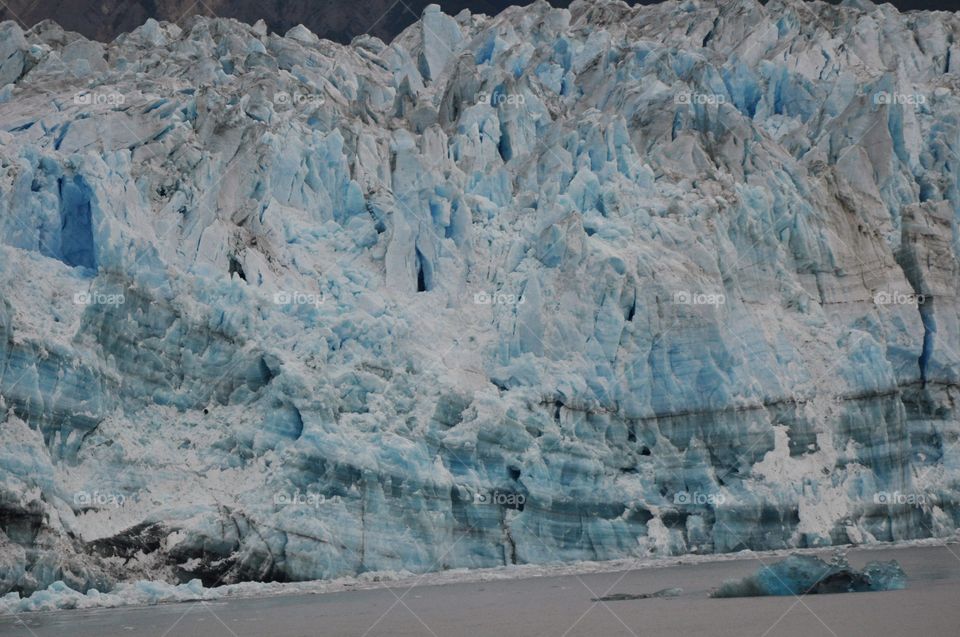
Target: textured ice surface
pixel 809 575
pixel 549 286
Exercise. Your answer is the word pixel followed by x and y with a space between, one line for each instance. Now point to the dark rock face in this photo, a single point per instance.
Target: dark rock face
pixel 332 19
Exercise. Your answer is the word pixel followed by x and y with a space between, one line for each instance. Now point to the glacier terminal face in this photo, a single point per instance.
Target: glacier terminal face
pixel 552 285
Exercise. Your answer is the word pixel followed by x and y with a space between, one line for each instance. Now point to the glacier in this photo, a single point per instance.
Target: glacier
pixel 554 285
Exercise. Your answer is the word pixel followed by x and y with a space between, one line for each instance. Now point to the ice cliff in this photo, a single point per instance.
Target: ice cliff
pixel 546 286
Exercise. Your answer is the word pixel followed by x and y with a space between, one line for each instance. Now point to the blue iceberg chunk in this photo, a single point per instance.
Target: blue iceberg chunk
pixel 808 575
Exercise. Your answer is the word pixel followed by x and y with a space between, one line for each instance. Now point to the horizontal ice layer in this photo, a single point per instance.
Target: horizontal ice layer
pixel 554 285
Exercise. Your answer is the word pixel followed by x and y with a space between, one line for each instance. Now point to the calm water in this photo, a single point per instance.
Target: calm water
pixel 555 606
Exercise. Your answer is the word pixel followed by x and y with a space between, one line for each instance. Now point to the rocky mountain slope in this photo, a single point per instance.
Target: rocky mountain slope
pixel 552 285
pixel 336 20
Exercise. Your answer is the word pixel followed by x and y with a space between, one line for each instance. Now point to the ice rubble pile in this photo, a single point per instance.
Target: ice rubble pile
pixel 546 286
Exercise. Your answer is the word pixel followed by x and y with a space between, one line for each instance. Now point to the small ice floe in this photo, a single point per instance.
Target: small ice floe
pixel 808 575
pixel 619 597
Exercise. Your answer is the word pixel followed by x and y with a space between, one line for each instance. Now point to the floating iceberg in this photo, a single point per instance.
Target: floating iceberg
pixel 621 597
pixel 809 575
